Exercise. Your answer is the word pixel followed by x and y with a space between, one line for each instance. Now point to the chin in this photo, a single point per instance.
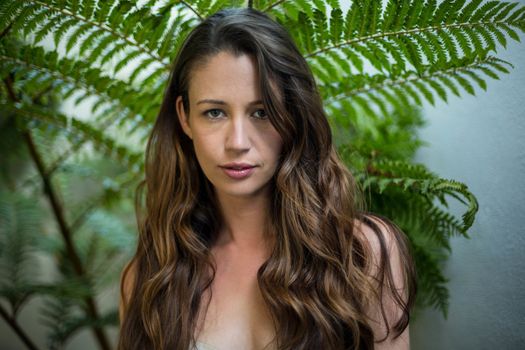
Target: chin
pixel 241 190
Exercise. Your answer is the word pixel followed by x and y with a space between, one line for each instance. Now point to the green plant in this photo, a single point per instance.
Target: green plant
pixel 374 66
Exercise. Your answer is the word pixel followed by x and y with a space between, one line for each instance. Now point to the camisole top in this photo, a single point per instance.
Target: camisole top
pixel 203 346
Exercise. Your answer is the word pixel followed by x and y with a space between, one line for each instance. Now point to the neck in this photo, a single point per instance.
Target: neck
pixel 244 221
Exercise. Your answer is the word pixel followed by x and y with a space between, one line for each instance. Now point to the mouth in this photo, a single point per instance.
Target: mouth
pixel 237 166
pixel 238 171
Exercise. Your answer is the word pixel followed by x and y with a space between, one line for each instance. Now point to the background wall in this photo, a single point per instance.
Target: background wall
pixel 481 141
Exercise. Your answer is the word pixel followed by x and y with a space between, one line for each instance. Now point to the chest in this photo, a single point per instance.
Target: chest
pixel 237 317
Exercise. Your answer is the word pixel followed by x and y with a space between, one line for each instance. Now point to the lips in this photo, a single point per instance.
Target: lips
pixel 238 171
pixel 237 166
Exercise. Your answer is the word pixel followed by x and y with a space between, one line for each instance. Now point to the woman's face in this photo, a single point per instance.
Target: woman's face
pixel 229 127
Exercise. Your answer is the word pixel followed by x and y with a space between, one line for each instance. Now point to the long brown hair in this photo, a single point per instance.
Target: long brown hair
pixel 316 282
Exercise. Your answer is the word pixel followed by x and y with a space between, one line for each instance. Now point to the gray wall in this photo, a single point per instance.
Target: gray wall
pixel 480 141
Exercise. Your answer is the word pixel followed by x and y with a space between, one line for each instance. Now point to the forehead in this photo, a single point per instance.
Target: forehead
pixel 225 76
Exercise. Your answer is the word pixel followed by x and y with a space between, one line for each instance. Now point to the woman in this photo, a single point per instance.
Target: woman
pixel 252 235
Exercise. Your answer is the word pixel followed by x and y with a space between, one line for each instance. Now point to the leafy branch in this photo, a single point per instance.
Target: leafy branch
pixel 67 236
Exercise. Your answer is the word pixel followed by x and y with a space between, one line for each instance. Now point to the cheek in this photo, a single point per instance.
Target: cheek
pixel 274 144
pixel 204 149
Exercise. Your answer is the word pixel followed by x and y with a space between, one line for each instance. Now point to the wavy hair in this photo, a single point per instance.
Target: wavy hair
pixel 317 281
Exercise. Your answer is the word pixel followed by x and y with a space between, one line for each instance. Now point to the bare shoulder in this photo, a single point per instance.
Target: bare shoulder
pixel 374 230
pixel 390 276
pixel 127 281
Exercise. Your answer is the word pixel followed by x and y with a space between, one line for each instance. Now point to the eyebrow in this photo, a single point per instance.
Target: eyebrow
pixel 220 102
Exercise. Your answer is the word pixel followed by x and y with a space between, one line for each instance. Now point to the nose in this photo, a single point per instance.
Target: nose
pixel 237 136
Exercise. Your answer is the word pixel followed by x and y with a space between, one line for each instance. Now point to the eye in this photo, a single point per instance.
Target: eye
pixel 261 116
pixel 210 115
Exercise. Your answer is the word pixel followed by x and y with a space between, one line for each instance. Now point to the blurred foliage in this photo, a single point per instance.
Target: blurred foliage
pixel 82 82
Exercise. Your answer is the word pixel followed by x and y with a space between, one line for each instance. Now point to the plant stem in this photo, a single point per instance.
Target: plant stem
pixel 58 211
pixel 6 30
pixel 11 321
pixel 193 10
pixel 269 7
pixel 66 235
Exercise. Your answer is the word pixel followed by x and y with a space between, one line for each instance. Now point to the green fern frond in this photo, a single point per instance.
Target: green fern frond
pixel 216 5
pixel 351 20
pixel 8 11
pixel 462 40
pixel 408 177
pixel 438 88
pixel 79 129
pixel 71 77
pixel 431 283
pixel 428 224
pixel 306 33
pixel 431 80
pixel 32 21
pixel 304 6
pixel 320 6
pixel 114 191
pixel 128 57
pixel 404 28
pixel 24 15
pixel 71 326
pixel 447 81
pixel 320 32
pixel 370 12
pixel 54 314
pixel 92 39
pixel 340 64
pixel 118 22
pixel 20 223
pixel 63 315
pixel 107 238
pixel 336 25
